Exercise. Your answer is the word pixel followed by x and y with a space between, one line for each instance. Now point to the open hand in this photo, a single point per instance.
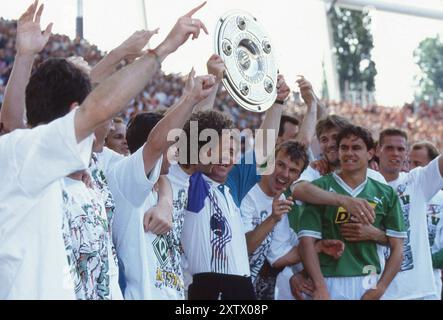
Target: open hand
pixel 30 39
pixel 132 47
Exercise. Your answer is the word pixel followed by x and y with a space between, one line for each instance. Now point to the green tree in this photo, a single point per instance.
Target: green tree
pixel 353 43
pixel 429 57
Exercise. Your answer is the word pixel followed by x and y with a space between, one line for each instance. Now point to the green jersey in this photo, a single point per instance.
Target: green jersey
pixel 323 222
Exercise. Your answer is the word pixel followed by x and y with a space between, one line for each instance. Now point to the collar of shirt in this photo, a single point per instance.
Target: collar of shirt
pixel 347 188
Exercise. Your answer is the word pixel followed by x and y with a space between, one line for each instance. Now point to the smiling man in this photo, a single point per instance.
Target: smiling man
pixel 347 278
pixel 415 189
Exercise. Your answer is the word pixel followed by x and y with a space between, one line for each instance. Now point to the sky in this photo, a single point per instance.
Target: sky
pixel 296 28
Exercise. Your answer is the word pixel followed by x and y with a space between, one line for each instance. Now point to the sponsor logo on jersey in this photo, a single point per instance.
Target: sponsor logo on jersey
pixel 342 216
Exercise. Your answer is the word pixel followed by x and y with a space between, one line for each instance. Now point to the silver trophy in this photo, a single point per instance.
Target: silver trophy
pixel 251 71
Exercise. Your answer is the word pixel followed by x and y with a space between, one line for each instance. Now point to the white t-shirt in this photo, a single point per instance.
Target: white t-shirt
pixel 255 208
pixel 86 233
pixel 99 169
pixel 416 188
pixel 283 240
pixel 179 180
pixel 434 216
pixel 33 257
pixel 213 238
pixel 143 261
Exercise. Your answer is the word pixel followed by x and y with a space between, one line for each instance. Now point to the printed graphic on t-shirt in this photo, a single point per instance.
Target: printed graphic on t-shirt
pixel 166 276
pixel 258 257
pixel 433 216
pixel 405 203
pixel 221 235
pixel 85 234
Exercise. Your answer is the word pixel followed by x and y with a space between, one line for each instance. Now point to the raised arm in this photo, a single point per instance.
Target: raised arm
pixel 30 41
pixel 307 127
pixel 113 94
pixel 131 49
pixel 216 67
pixel 196 89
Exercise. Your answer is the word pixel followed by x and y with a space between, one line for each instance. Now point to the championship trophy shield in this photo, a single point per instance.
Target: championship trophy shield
pixel 251 71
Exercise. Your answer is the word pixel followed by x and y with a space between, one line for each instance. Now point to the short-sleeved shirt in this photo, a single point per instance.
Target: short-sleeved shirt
pixel 143 260
pixel 435 232
pixel 255 208
pixel 33 162
pixel 323 222
pixel 213 238
pixel 86 234
pixel 415 189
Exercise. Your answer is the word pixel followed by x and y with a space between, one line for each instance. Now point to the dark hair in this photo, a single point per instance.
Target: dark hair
pixel 139 128
pixel 295 150
pixel 331 122
pixel 211 119
pixel 431 149
pixel 54 86
pixel 283 120
pixel 392 132
pixel 359 132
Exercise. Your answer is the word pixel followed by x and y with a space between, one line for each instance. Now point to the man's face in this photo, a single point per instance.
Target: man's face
pixel 328 146
pixel 392 154
pixel 116 139
pixel 227 154
pixel 418 158
pixel 285 173
pixel 353 154
pixel 290 131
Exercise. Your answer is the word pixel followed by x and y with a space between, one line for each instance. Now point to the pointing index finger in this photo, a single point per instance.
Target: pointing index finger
pixel 190 13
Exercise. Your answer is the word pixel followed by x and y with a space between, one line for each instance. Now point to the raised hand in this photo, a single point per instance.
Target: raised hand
pixel 180 33
pixel 132 47
pixel 280 207
pixel 30 39
pixel 198 88
pixel 333 248
pixel 216 66
pixel 306 91
pixel 283 89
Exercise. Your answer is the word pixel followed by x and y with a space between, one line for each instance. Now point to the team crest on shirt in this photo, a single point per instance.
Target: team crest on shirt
pixel 161 250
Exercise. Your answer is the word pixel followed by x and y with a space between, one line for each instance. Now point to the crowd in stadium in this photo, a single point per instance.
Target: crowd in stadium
pixel 420 122
pixel 344 202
